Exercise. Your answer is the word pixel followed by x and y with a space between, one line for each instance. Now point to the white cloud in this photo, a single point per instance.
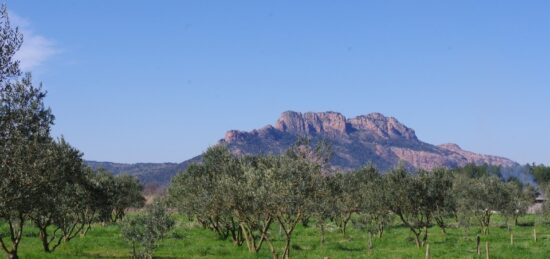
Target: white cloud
pixel 36 49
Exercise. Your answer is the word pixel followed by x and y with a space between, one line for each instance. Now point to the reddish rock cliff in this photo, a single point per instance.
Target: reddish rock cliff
pixel 372 138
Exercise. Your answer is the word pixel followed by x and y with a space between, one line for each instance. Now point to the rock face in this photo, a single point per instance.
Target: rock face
pixel 373 138
pixel 329 123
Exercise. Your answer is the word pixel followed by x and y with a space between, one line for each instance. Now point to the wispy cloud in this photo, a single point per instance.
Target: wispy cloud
pixel 36 49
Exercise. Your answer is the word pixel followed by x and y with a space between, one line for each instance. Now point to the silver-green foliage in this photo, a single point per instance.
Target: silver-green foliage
pixel 144 230
pixel 241 197
pixel 24 135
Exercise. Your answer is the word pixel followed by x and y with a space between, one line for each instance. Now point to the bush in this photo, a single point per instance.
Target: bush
pixel 146 229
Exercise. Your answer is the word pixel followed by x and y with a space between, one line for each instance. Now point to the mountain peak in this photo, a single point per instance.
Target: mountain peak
pixel 450 146
pixel 335 124
pixel 383 127
pixel 311 123
pixel 371 138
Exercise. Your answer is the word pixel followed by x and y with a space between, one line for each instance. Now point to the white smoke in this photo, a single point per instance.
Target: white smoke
pixel 520 172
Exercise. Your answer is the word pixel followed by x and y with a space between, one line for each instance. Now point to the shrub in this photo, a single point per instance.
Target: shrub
pixel 146 229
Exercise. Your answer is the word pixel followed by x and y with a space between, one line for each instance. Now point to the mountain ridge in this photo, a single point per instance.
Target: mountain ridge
pixel 365 139
pixel 372 138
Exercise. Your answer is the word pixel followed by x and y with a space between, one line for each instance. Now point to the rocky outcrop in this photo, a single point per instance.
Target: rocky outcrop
pixel 335 124
pixel 310 123
pixel 372 138
pixel 475 158
pixel 382 127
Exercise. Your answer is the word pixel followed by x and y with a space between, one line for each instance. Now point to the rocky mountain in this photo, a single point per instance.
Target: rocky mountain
pixel 373 138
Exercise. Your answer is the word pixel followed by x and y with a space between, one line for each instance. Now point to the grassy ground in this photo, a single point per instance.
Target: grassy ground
pixel 190 241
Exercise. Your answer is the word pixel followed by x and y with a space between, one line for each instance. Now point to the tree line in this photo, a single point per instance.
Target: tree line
pixel 242 198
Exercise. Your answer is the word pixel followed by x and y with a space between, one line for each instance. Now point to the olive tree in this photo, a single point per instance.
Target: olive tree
pixel 249 196
pixel 62 210
pixel 24 137
pixel 114 195
pixel 199 192
pixel 294 180
pixel 417 199
pixel 442 201
pixel 146 229
pixel 520 198
pixel 24 128
pixel 373 214
pixel 128 194
pixel 346 191
pixel 481 197
pixel 324 208
pixel 242 197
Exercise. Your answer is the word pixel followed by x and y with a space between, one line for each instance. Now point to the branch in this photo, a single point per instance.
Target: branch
pixel 3 245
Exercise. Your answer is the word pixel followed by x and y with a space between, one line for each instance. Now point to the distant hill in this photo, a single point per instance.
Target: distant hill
pixel 372 138
pixel 147 173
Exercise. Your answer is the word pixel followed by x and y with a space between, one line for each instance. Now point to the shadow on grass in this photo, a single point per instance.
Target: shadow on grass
pixel 296 247
pixel 341 247
pixel 526 224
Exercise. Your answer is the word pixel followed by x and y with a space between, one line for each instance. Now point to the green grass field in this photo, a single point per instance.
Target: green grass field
pixel 189 240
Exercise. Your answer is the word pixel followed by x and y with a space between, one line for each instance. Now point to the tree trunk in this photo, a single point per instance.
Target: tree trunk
pixel 85 230
pixel 370 241
pixel 380 230
pixel 425 239
pixel 344 229
pixel 288 232
pixel 478 241
pixel 345 224
pixel 236 235
pixel 416 233
pixel 247 237
pixel 13 255
pixel 46 246
pixel 322 234
pixel 272 250
pixel 427 251
pixel 288 235
pixel 286 254
pixel 16 233
pixel 264 234
pixel 441 225
pixel 417 239
pixel 488 221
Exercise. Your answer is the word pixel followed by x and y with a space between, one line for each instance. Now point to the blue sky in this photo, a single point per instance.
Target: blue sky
pixel 155 81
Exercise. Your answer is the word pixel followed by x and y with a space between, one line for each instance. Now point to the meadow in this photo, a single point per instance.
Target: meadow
pixel 189 240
